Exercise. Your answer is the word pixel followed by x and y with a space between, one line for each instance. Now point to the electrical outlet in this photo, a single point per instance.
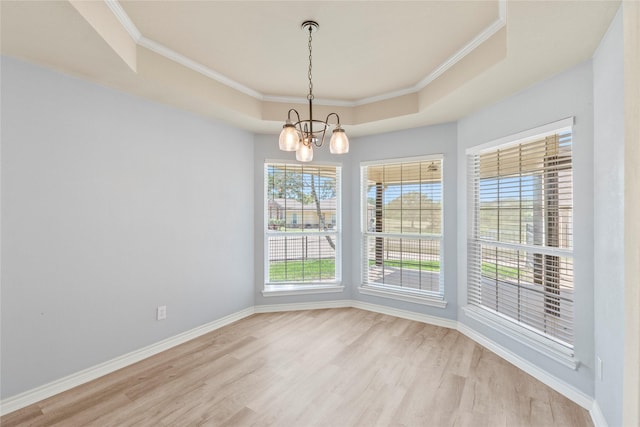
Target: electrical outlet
pixel 161 312
pixel 599 368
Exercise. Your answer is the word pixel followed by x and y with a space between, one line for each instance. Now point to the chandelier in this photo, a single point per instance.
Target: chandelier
pixel 303 135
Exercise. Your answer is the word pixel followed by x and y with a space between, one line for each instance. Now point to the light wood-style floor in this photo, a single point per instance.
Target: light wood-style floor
pixel 335 367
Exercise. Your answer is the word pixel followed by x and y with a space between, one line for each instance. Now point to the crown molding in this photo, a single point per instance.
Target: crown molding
pixel 496 26
pixel 388 95
pixel 123 18
pixel 301 100
pixel 162 50
pixel 197 67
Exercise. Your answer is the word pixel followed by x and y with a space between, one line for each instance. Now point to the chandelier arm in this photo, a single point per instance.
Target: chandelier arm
pixel 297 124
pixel 321 140
pixel 333 114
pixel 301 132
pixel 306 137
pixel 295 111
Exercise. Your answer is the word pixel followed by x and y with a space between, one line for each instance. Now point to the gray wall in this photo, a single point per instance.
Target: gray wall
pixel 440 139
pixel 608 100
pixel 567 94
pixel 111 206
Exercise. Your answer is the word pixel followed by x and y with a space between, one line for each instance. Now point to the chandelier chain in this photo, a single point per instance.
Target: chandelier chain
pixel 310 96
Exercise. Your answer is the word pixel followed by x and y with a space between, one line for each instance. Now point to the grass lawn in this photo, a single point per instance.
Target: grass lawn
pixel 489 269
pixel 413 265
pixel 309 270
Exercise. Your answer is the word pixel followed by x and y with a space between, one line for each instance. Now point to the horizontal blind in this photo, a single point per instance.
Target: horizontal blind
pixel 302 223
pixel 402 225
pixel 520 246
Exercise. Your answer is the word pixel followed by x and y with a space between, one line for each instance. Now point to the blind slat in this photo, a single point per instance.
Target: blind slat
pixel 402 224
pixel 520 246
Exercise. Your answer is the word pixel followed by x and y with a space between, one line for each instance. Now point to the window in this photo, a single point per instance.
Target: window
pixel 520 242
pixel 402 229
pixel 302 225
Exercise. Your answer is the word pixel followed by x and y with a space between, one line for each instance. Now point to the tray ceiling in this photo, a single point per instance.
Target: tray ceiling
pixel 383 65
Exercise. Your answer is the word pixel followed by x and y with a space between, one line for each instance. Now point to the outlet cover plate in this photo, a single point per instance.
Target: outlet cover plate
pixel 161 312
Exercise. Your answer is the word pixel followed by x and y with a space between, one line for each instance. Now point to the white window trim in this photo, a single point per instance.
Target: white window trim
pixel 293 288
pixel 524 136
pixel 542 344
pixel 419 297
pixel 411 159
pixel 299 289
pixel 428 298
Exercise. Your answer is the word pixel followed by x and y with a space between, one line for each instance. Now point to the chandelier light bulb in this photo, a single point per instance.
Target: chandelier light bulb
pixel 289 137
pixel 304 153
pixel 339 143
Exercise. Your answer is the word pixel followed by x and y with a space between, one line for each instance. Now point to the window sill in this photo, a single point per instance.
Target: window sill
pixel 403 295
pixel 542 345
pixel 284 290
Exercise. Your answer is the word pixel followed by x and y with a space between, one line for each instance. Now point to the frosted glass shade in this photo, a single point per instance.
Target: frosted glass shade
pixel 289 138
pixel 304 153
pixel 339 142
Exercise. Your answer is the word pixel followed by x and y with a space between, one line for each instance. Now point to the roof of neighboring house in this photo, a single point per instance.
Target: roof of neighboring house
pixel 292 204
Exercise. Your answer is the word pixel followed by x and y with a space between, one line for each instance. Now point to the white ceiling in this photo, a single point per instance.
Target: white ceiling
pixel 261 44
pixel 381 65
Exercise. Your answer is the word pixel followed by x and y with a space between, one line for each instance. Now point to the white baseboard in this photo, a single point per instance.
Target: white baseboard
pixel 405 314
pixel 597 416
pixel 558 385
pixel 63 384
pixel 35 395
pixel 318 305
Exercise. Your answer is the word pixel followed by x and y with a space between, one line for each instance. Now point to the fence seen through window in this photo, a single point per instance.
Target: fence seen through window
pixel 302 223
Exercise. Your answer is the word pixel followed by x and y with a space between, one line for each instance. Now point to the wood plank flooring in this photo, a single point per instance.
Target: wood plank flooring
pixel 335 367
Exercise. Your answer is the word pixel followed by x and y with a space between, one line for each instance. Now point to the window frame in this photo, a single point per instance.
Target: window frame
pixel 299 287
pixel 529 336
pixel 424 297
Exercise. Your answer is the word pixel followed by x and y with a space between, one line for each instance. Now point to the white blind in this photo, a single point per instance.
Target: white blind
pixel 402 224
pixel 520 245
pixel 302 223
